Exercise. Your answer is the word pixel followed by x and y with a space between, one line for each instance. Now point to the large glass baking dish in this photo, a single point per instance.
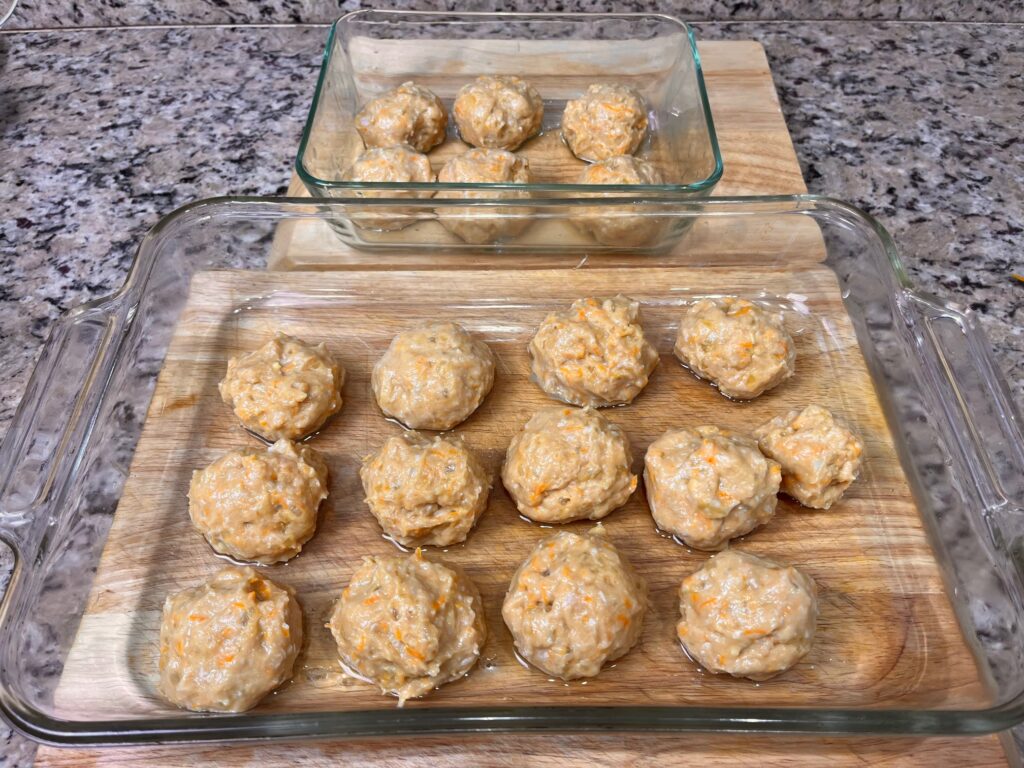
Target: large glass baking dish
pixel 371 51
pixel 69 452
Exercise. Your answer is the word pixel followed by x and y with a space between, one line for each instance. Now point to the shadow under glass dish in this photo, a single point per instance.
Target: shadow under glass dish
pixel 915 565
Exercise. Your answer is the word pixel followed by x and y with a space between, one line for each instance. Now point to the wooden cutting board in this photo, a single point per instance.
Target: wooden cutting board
pixel 759 159
pixel 565 751
pixel 887 632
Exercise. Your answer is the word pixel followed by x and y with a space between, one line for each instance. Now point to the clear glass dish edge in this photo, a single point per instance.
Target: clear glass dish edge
pixel 114 314
pixel 703 186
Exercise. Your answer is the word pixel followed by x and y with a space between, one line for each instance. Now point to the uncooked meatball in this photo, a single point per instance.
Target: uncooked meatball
pixel 746 615
pixel 425 491
pixel 227 643
pixel 593 353
pixel 737 345
pixel 819 454
pixel 433 376
pixel 574 605
pixel 620 225
pixel 568 464
pixel 478 224
pixel 608 120
pixel 399 164
pixel 409 625
pixel 708 485
pixel 409 114
pixel 258 505
pixel 498 112
pixel 285 389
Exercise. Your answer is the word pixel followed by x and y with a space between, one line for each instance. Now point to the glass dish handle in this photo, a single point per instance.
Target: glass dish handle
pixel 985 426
pixel 47 432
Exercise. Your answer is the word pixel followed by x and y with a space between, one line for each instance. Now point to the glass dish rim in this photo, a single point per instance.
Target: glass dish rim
pixel 44 728
pixel 703 185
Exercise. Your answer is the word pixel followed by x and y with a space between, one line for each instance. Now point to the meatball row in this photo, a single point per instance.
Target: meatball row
pixel 619 225
pixel 496 114
pixel 502 112
pixel 411 624
pixel 705 485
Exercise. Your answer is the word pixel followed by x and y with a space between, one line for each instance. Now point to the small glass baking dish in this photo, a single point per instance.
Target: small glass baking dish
pixel 919 571
pixel 369 52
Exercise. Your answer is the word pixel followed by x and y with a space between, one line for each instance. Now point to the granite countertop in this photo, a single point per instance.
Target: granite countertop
pixel 105 130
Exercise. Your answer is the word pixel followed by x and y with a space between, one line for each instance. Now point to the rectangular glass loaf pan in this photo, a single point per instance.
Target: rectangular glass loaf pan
pixel 369 52
pixel 918 568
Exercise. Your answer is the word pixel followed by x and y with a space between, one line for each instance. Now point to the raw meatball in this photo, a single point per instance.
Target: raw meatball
pixel 593 353
pixel 409 625
pixel 409 114
pixel 477 224
pixel 819 454
pixel 621 225
pixel 747 615
pixel 735 344
pixel 498 112
pixel 425 491
pixel 433 376
pixel 574 605
pixel 708 485
pixel 285 389
pixel 608 120
pixel 259 505
pixel 568 464
pixel 400 164
pixel 227 643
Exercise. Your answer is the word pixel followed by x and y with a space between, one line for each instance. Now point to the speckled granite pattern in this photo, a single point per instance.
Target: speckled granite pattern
pixel 35 14
pixel 110 131
pixel 894 118
pixel 920 126
pixel 103 132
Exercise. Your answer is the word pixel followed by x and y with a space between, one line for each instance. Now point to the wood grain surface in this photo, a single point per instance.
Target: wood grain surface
pixel 888 635
pixel 528 751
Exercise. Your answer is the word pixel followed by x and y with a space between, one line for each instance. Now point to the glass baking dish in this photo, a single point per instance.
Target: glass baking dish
pixel 921 591
pixel 369 52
